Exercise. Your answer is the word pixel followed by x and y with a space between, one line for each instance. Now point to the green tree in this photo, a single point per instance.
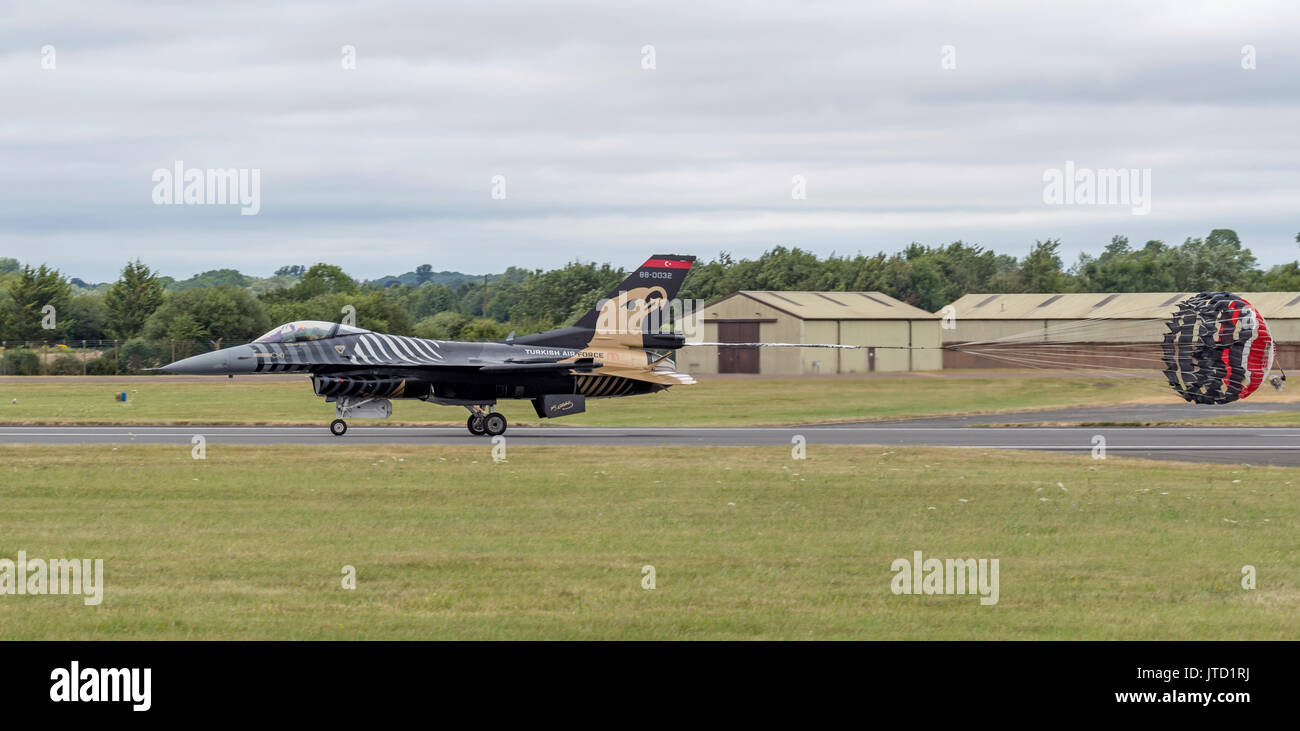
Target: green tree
pixel 29 293
pixel 6 312
pixel 65 364
pixel 320 279
pixel 428 300
pixel 132 299
pixel 210 313
pixel 324 279
pixel 483 329
pixel 1123 269
pixel 20 362
pixel 1282 278
pixel 560 296
pixel 1041 269
pixel 442 326
pixel 90 318
pixel 1217 262
pixel 213 278
pixel 138 354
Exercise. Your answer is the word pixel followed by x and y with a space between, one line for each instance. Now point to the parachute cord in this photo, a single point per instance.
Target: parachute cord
pixel 820 345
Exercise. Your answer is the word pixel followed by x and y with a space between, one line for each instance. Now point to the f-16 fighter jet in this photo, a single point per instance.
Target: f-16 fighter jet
pixel 606 353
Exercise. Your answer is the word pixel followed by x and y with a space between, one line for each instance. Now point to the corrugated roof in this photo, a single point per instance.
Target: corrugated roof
pixel 836 305
pixel 1278 305
pixel 1129 305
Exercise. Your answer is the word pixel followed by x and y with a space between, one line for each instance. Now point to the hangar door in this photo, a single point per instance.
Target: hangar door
pixel 738 360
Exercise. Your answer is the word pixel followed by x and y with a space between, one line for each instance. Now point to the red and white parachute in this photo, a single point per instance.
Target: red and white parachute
pixel 1218 348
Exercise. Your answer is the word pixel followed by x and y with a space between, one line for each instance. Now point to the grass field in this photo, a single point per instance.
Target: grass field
pixel 713 402
pixel 746 543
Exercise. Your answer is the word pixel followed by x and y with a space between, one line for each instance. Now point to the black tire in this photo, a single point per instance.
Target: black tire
pixel 494 424
pixel 475 425
pixel 338 427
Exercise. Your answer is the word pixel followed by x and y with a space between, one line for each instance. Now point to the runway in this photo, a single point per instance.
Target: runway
pixel 1254 445
pixel 1115 415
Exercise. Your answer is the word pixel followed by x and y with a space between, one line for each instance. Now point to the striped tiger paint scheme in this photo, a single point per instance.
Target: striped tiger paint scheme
pixel 370 349
pixel 604 386
pixel 363 385
pixel 380 349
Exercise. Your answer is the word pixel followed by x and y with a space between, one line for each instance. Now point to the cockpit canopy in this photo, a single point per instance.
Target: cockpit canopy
pixel 305 330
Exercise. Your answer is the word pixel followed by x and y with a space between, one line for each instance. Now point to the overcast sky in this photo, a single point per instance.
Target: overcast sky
pixel 391 164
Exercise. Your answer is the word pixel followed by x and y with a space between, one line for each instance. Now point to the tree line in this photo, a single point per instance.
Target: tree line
pixel 225 306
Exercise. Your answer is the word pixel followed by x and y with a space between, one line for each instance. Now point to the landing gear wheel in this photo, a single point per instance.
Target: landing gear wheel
pixel 475 425
pixel 495 424
pixel 338 427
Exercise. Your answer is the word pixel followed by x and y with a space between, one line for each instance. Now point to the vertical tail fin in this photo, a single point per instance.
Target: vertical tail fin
pixel 659 278
pixel 634 307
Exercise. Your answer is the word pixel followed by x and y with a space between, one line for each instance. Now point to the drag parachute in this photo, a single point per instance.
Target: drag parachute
pixel 1218 348
pixel 1213 347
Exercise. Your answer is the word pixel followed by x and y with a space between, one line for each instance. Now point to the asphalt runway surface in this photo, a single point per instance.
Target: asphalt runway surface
pixel 1128 414
pixel 1245 444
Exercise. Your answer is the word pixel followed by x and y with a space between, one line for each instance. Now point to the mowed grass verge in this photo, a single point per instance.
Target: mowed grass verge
pixel 716 402
pixel 747 543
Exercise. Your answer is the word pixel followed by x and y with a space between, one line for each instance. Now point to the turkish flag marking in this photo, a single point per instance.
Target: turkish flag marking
pixel 667 264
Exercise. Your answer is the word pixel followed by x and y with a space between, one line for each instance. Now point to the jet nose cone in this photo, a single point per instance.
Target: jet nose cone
pixel 206 364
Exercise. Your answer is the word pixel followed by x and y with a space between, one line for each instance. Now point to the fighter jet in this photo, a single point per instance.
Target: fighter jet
pixel 608 352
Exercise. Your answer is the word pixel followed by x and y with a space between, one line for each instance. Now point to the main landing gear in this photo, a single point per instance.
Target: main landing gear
pixel 338 427
pixel 485 422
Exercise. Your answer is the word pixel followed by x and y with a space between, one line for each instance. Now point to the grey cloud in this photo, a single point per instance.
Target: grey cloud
pixel 388 166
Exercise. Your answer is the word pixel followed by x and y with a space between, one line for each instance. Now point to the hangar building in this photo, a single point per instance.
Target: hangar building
pixel 885 325
pixel 1027 321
